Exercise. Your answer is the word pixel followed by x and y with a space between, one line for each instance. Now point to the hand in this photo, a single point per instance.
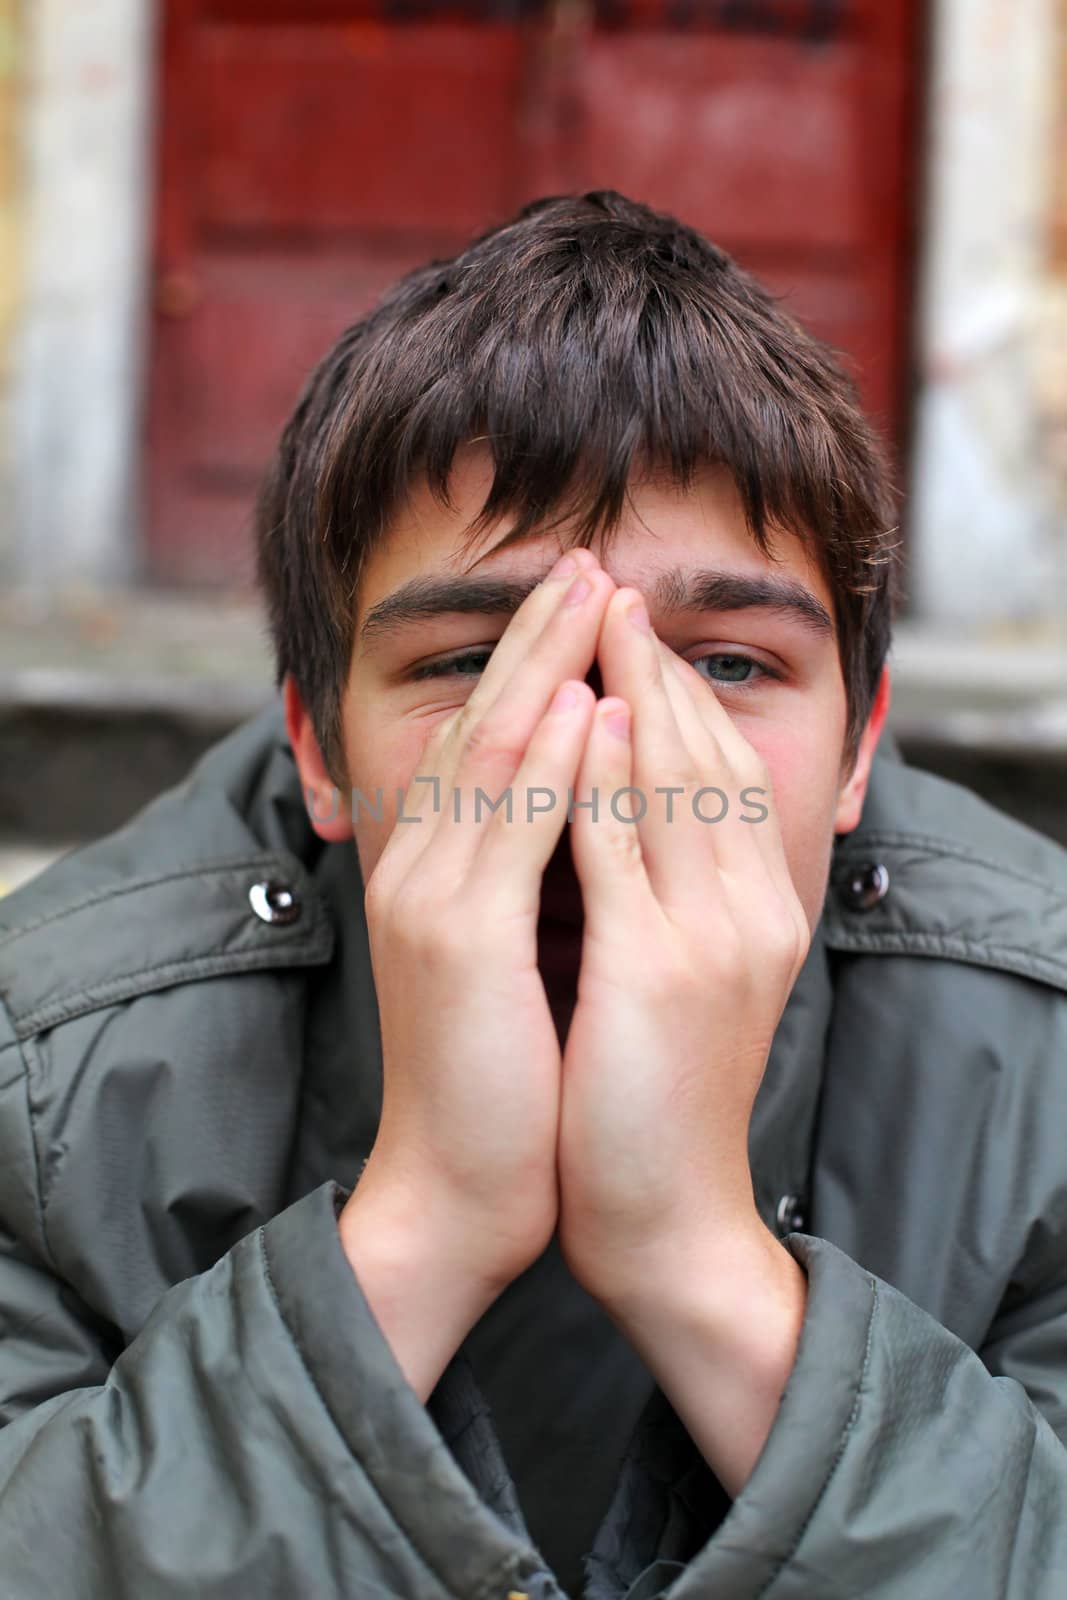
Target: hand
pixel 693 938
pixel 460 1192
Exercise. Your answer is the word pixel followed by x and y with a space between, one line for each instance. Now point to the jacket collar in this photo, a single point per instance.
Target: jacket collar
pixel 934 871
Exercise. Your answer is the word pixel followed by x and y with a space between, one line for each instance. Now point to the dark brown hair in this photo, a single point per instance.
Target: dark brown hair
pixel 586 340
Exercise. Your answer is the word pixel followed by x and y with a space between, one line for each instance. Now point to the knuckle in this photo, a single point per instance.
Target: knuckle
pixel 424 928
pixel 399 905
pixel 678 776
pixel 781 936
pixel 380 892
pixel 733 956
pixel 375 897
pixel 623 843
pixel 441 734
pixel 668 793
pixel 470 712
pixel 492 742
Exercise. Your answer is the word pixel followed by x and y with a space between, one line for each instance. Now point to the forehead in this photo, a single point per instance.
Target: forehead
pixel 662 527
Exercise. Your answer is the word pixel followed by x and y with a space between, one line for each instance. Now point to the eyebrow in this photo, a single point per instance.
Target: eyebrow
pixel 679 590
pixel 710 589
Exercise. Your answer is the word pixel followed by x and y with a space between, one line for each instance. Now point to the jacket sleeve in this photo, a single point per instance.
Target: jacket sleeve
pixel 901 1463
pixel 256 1438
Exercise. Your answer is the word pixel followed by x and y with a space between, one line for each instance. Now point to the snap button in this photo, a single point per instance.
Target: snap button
pixel 867 886
pixel 790 1215
pixel 274 902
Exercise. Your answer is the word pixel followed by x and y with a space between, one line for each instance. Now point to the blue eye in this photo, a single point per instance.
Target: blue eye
pixel 730 669
pixel 454 665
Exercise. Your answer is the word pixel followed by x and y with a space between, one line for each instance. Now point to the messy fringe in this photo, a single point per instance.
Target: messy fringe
pixel 588 342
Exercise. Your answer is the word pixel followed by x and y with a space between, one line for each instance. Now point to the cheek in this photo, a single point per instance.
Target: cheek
pixel 804 772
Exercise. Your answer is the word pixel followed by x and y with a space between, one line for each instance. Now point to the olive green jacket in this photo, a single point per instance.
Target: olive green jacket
pixel 195 1400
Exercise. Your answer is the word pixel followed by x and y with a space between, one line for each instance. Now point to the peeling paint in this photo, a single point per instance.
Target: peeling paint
pixel 987 531
pixel 78 354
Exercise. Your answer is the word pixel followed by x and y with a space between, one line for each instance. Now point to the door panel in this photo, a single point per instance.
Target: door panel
pixel 702 118
pixel 369 131
pixel 312 150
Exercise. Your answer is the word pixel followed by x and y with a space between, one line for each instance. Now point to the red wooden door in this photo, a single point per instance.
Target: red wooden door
pixel 311 150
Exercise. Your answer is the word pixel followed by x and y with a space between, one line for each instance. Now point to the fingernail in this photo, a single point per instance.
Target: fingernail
pixel 565 697
pixel 618 722
pixel 639 617
pixel 565 565
pixel 577 592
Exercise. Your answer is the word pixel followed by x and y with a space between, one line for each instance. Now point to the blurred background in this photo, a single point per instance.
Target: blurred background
pixel 197 195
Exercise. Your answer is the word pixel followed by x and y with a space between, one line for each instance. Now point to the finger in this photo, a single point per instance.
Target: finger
pixel 417 806
pixel 479 749
pixel 491 746
pixel 742 759
pixel 518 841
pixel 525 628
pixel 700 740
pixel 750 849
pixel 702 737
pixel 528 624
pixel 606 847
pixel 698 708
pixel 518 638
pixel 665 770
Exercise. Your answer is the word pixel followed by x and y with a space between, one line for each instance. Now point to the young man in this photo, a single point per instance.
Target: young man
pixel 688 1084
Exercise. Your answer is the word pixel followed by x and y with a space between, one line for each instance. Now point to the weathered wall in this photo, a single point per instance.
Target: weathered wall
pixel 1052 344
pixel 987 540
pixel 10 273
pixel 77 356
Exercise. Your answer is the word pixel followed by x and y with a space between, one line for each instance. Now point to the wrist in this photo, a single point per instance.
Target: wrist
pixel 704 1279
pixel 424 1286
pixel 720 1335
pixel 739 1301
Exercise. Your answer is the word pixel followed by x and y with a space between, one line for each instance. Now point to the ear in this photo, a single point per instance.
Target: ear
pixel 854 790
pixel 330 817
